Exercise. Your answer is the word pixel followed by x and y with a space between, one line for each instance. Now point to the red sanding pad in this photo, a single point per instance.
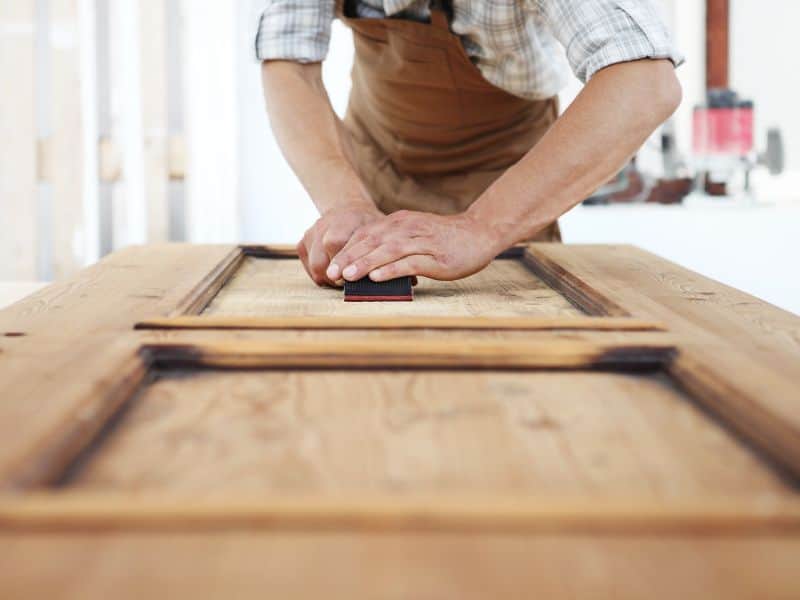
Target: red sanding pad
pixel 366 290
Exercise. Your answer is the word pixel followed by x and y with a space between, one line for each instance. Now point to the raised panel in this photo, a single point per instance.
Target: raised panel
pixel 323 432
pixel 280 287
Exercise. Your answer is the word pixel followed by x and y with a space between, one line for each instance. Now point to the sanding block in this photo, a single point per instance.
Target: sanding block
pixel 366 290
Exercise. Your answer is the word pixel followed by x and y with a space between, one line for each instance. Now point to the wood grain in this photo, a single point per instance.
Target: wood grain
pixel 405 323
pixel 436 483
pixel 744 353
pixel 577 290
pixel 73 338
pixel 520 514
pixel 263 287
pixel 545 352
pixel 242 564
pixel 210 285
pixel 335 432
pixel 689 303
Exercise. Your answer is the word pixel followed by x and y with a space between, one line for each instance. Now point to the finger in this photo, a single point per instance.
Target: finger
pixel 390 251
pixel 302 254
pixel 352 252
pixel 416 264
pixel 318 263
pixel 333 241
pixel 374 231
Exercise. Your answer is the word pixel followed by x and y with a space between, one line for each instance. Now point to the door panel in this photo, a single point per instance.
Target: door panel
pixel 280 287
pixel 322 431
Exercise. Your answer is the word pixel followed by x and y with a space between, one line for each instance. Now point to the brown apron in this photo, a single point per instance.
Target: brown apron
pixel 429 132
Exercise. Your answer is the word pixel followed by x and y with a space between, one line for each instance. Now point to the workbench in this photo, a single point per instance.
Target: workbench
pixel 573 421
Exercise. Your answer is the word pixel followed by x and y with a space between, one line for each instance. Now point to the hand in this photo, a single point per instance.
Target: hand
pixel 416 243
pixel 329 235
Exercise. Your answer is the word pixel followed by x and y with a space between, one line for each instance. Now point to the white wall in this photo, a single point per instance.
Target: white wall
pixel 275 208
pixel 766 67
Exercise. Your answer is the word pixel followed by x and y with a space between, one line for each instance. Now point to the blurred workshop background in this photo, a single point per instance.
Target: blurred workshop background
pixel 133 121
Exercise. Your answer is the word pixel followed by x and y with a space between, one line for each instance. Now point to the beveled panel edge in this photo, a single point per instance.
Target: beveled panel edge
pixel 402 323
pixel 516 514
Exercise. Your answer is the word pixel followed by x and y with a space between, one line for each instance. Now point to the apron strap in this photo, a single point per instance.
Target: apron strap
pixel 441 12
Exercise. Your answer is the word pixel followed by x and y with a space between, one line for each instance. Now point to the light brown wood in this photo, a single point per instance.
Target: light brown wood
pixel 333 432
pixel 742 352
pixel 638 490
pixel 70 341
pixel 551 352
pixel 272 287
pixel 405 323
pixel 209 286
pixel 690 304
pixel 80 512
pixel 345 565
pixel 576 289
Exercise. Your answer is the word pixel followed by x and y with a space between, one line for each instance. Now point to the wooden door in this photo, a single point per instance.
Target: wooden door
pixel 572 421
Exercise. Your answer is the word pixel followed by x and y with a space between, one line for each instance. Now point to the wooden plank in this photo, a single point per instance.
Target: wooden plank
pixel 328 564
pixel 731 342
pixel 574 288
pixel 488 513
pixel 543 352
pixel 754 401
pixel 208 287
pixel 327 433
pixel 281 288
pixel 18 222
pixel 735 352
pixel 690 304
pixel 73 336
pixel 404 323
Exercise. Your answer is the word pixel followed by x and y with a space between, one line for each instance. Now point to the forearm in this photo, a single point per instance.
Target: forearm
pixel 606 124
pixel 310 134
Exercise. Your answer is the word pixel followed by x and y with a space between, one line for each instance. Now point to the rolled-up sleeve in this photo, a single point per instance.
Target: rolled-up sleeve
pixel 298 30
pixel 600 33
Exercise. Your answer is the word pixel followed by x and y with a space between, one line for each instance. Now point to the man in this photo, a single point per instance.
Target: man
pixel 452 149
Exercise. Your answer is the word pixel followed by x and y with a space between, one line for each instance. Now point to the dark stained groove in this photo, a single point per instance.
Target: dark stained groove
pixel 575 290
pixel 627 357
pixel 51 464
pixel 205 291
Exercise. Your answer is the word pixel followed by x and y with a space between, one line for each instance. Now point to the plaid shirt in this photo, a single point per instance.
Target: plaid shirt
pixel 513 42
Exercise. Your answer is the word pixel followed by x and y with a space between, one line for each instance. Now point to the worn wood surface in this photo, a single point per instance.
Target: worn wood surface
pixel 70 340
pixel 483 512
pixel 690 303
pixel 456 432
pixel 709 470
pixel 546 352
pixel 743 351
pixel 389 322
pixel 330 564
pixel 280 287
